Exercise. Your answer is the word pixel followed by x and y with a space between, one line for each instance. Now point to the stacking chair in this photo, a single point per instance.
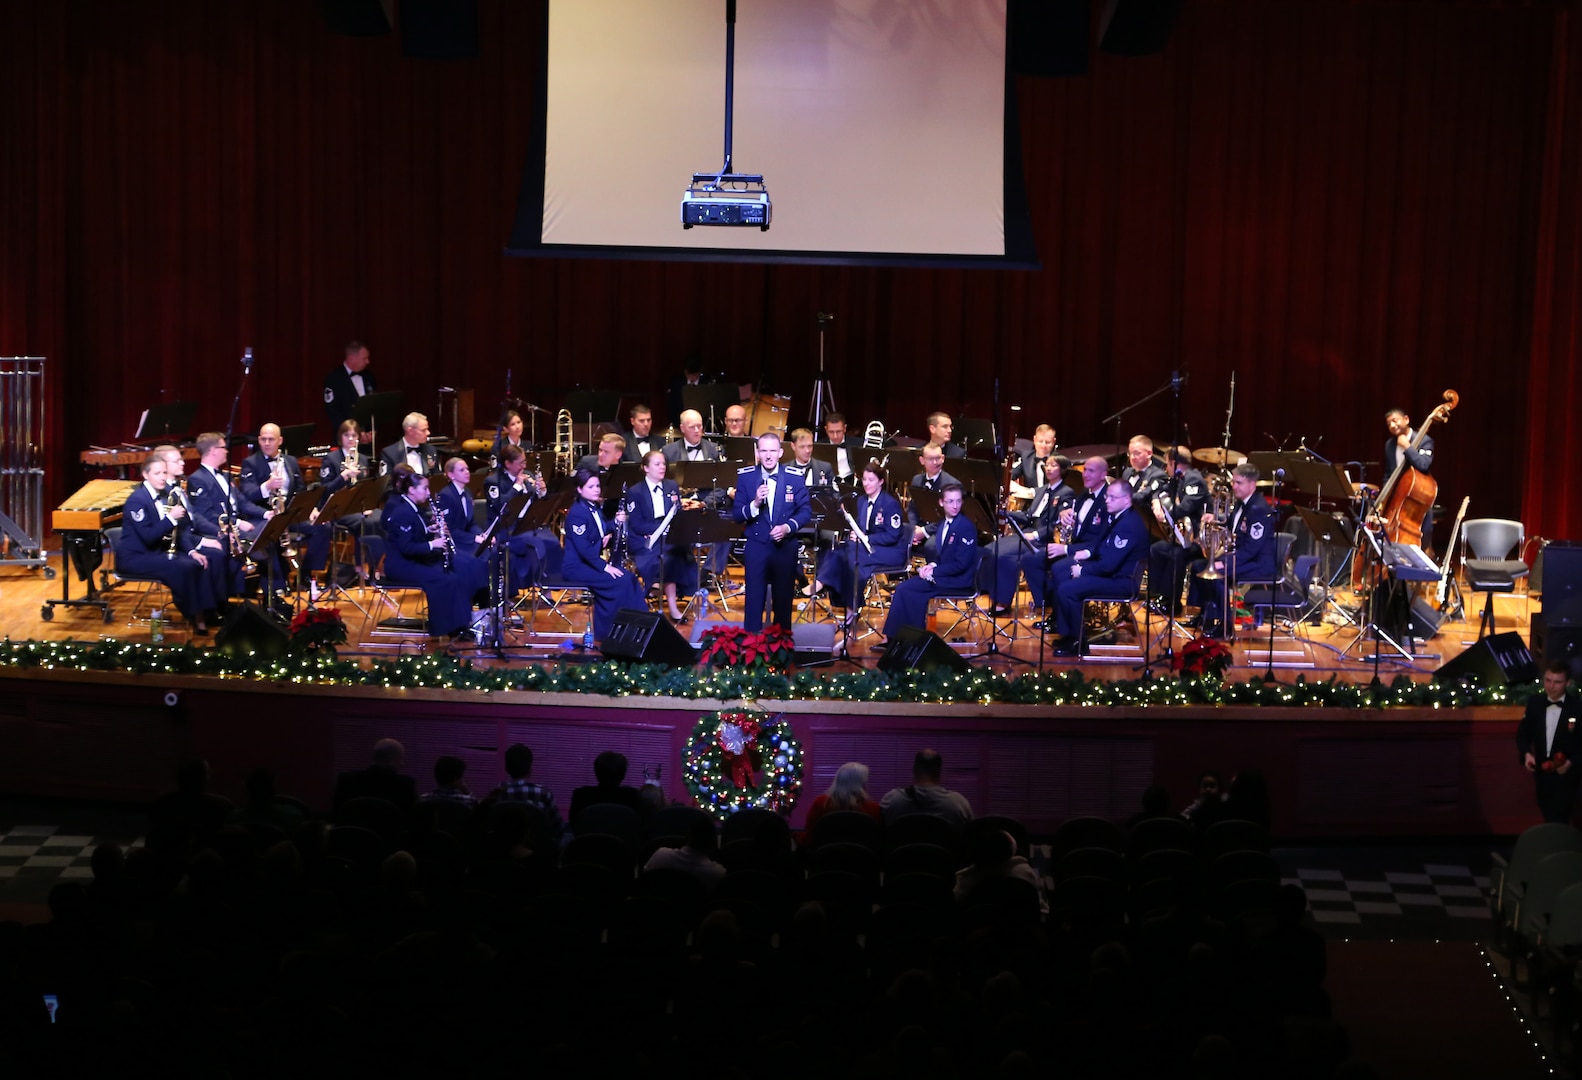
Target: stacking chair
pixel 1126 593
pixel 1233 834
pixel 970 616
pixel 1534 912
pixel 1487 545
pixel 1279 594
pixel 1153 834
pixel 112 536
pixel 847 827
pixel 1083 832
pixel 611 819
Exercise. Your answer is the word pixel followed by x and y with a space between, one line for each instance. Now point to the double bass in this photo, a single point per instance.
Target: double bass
pixel 1409 493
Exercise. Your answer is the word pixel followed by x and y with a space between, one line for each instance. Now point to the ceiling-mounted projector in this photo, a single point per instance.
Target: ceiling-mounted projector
pixel 709 202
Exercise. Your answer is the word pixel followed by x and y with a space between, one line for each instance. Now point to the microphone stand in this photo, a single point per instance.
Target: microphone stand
pixel 1172 383
pixel 1274 586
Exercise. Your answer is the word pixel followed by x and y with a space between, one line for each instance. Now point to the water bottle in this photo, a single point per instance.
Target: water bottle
pixel 587 638
pixel 156 626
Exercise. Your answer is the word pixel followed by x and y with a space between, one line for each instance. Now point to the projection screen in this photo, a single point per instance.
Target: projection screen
pixel 882 128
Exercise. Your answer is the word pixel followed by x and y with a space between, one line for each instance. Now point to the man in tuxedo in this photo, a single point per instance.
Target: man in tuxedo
pixel 611 449
pixel 1011 557
pixel 692 375
pixel 346 382
pixel 1029 475
pixel 412 448
pixel 216 509
pixel 692 446
pixel 1104 569
pixel 850 456
pixel 773 504
pixel 1142 474
pixel 1548 727
pixel 933 478
pixel 940 427
pixel 816 474
pixel 269 478
pixel 1182 499
pixel 736 421
pixel 640 438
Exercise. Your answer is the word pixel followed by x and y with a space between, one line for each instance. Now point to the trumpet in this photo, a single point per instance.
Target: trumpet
pixel 351 467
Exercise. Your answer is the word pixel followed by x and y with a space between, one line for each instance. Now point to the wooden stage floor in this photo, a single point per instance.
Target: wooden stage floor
pixel 1329 649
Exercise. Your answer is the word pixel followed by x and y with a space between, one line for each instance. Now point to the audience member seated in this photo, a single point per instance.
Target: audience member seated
pixel 186 818
pixel 266 806
pixel 848 791
pixel 994 855
pixel 381 780
pixel 926 795
pixel 695 857
pixel 450 787
pixel 609 768
pixel 1248 799
pixel 1209 806
pixel 517 788
pixel 1156 804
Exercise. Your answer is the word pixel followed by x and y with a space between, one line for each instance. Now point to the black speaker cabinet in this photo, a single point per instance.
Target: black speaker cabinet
pixel 1424 620
pixel 1560 575
pixel 1497 660
pixel 1137 27
pixel 1557 643
pixel 252 629
pixel 916 649
pixel 648 637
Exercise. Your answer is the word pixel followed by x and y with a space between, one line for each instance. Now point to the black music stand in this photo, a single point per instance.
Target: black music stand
pixel 1331 532
pixel 740 450
pixel 702 530
pixel 594 406
pixel 295 439
pixel 710 402
pixel 337 506
pixel 166 422
pixel 297 510
pixel 491 625
pixel 974 435
pixel 376 412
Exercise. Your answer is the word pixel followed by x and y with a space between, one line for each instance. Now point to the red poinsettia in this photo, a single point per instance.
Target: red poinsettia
pixel 771 648
pixel 1203 656
pixel 315 627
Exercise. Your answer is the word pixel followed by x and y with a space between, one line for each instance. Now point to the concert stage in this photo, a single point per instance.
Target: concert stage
pixel 1331 771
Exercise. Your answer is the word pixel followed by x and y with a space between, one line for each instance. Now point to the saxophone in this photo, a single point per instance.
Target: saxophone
pixel 172 500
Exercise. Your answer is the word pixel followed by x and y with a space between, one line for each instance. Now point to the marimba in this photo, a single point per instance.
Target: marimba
pixel 81 521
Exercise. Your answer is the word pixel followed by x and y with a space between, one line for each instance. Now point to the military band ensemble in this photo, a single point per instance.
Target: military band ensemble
pixel 813 514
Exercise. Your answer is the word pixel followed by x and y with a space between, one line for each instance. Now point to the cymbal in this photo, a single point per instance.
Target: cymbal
pixel 1213 455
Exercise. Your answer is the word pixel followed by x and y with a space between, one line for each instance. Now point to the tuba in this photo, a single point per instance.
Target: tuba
pixel 1215 536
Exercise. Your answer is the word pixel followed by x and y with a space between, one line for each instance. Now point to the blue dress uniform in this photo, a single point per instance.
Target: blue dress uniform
pixel 1251 559
pixel 254 504
pixel 585 566
pixel 671 563
pixel 145 542
pixel 770 563
pixel 206 501
pixel 1010 556
pixel 957 541
pixel 410 561
pixel 1167 560
pixel 881 519
pixel 1123 546
pixel 529 550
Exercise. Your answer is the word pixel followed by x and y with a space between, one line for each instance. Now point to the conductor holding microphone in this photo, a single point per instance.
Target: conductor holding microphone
pixel 773 504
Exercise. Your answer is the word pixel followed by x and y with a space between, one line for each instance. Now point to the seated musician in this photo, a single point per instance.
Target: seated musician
pixel 736 421
pixel 692 446
pixel 528 550
pixel 940 427
pixel 347 464
pixel 933 478
pixel 1421 458
pixel 1011 556
pixel 269 478
pixel 1251 531
pixel 612 448
pixel 455 501
pixel 510 435
pixel 1103 570
pixel 956 540
pixel 815 473
pixel 640 437
pixel 216 511
pixel 415 555
pixel 846 569
pixel 153 524
pixel 588 540
pixel 1178 506
pixel 1142 473
pixel 411 449
pixel 848 451
pixel 1029 475
pixel 225 580
pixel 647 504
pixel 1083 520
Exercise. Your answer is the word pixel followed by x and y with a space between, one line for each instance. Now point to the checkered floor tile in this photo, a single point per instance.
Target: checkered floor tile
pixel 1342 897
pixel 35 857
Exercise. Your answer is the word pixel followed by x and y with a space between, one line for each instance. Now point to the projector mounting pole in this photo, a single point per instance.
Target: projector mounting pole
pixel 730 76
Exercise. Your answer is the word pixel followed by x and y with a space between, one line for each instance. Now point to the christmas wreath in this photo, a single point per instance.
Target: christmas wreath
pixel 769 649
pixel 740 760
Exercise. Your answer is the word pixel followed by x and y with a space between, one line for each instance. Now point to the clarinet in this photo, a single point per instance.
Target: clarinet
pixel 855 531
pixel 442 530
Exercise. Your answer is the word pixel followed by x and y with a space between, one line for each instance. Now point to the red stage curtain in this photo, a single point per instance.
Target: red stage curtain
pixel 1349 206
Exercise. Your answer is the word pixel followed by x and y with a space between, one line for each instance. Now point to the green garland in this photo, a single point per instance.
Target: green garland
pixel 613 678
pixel 738 759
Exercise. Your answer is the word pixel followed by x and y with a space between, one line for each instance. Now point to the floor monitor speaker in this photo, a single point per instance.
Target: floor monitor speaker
pixel 647 637
pixel 913 648
pixel 1497 660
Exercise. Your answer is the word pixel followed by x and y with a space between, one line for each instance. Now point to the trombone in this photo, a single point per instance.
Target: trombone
pixel 565 448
